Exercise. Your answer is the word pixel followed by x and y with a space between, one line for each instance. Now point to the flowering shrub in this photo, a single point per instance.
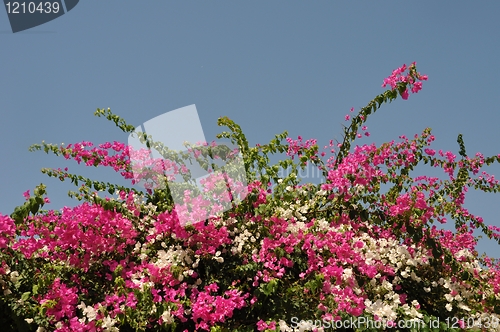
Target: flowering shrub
pixel 300 257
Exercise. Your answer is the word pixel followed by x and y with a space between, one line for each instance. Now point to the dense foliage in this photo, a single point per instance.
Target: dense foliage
pixel 359 252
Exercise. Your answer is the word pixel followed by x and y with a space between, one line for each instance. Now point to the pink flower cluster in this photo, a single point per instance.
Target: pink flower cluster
pixel 208 309
pixel 412 78
pixel 60 301
pixel 100 155
pixel 80 235
pixel 7 231
pixel 343 248
pixel 295 147
pixel 87 235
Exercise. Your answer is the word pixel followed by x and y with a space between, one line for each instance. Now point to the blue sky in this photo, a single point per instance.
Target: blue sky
pixel 270 66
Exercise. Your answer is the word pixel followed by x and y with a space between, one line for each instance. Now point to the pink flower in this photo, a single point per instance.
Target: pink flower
pixel 430 152
pixel 404 94
pixel 398 78
pixel 416 87
pixel 7 230
pixel 261 325
pixel 26 194
pixel 65 299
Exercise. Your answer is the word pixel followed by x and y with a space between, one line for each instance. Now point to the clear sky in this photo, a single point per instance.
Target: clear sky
pixel 269 65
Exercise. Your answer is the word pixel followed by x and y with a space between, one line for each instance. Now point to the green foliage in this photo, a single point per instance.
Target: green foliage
pixel 298 290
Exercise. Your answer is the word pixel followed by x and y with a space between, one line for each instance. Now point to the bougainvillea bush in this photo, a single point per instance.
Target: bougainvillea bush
pixel 358 252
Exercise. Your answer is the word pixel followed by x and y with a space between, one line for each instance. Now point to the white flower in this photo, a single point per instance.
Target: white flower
pixel 415 277
pixel 448 307
pixel 283 326
pixel 88 311
pixel 167 317
pixel 219 259
pixel 347 274
pixel 304 208
pixel 323 225
pixel 387 285
pixel 14 276
pixel 359 189
pixel 305 326
pixel 464 307
pixel 108 324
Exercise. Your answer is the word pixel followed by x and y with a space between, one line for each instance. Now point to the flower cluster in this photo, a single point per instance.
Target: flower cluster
pixel 7 231
pixel 363 244
pixel 411 79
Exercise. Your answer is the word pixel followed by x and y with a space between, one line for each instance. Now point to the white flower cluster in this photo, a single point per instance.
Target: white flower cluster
pixel 14 275
pixel 387 301
pixel 243 240
pixel 108 324
pixel 167 317
pixel 88 311
pixel 149 211
pixel 218 257
pixel 296 209
pixel 471 264
pixel 218 221
pixel 295 227
pixel 175 255
pixel 138 279
pixel 409 266
pixel 393 253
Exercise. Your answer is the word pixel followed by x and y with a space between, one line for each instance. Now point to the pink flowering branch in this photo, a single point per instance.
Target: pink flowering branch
pixel 362 244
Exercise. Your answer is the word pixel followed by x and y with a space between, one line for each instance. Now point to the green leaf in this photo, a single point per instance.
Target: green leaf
pixel 25 296
pixel 34 208
pixel 461 145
